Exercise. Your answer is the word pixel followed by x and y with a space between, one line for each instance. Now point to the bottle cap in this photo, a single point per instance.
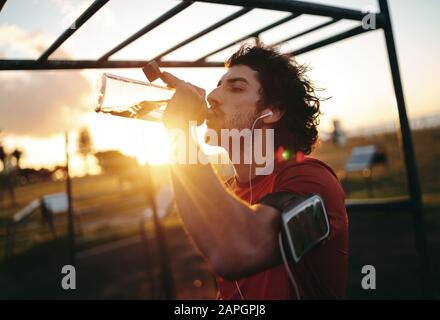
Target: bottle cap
pixel 152 71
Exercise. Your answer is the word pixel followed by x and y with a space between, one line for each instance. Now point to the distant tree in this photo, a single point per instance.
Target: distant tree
pixel 17 155
pixel 126 168
pixel 114 162
pixel 85 147
pixel 6 178
pixel 3 157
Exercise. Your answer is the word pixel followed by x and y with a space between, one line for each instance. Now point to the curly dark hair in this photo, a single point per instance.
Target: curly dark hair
pixel 284 86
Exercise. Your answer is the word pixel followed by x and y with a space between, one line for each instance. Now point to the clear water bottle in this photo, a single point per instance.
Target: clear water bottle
pixel 131 98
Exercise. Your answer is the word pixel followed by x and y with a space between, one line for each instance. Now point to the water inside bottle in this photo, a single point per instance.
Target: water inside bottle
pixel 144 110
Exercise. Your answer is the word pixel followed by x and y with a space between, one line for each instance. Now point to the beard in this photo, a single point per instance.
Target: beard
pixel 240 122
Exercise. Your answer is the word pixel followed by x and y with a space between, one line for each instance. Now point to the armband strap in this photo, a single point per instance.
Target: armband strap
pixel 278 200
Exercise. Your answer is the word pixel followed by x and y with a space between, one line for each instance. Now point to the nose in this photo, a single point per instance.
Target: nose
pixel 214 98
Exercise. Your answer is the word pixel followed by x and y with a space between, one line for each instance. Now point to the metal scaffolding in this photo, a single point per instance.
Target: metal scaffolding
pixel 412 202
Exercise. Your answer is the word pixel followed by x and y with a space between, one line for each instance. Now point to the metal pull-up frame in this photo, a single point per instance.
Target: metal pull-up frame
pixel 412 202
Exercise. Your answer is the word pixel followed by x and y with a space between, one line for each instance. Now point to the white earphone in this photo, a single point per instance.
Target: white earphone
pixel 270 113
pixel 292 279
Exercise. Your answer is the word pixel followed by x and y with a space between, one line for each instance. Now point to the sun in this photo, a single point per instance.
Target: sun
pixel 146 141
pixel 154 148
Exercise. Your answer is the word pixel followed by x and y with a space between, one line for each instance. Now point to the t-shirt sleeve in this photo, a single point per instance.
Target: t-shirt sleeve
pixel 323 270
pixel 311 178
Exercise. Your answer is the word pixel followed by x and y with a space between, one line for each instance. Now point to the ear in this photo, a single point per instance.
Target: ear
pixel 277 114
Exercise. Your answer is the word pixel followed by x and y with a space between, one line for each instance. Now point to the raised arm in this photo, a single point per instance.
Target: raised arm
pixel 237 239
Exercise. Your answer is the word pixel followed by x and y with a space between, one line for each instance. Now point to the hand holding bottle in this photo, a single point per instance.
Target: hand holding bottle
pixel 187 104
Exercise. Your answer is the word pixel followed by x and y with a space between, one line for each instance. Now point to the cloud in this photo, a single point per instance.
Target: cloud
pixel 38 103
pixel 71 10
pixel 16 42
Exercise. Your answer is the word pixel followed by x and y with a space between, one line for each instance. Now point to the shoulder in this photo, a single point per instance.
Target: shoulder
pixel 315 177
pixel 311 176
pixel 310 169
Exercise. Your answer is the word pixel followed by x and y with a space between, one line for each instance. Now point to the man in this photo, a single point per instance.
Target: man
pixel 266 90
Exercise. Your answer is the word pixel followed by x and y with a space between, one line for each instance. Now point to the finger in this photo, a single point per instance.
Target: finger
pixel 203 113
pixel 171 80
pixel 200 91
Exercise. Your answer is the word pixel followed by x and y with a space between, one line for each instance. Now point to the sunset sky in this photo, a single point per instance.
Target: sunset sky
pixel 36 107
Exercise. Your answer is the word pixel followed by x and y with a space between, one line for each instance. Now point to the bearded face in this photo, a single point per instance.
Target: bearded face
pixel 234 102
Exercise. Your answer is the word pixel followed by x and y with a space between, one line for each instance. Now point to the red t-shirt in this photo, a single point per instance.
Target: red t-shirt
pixel 322 272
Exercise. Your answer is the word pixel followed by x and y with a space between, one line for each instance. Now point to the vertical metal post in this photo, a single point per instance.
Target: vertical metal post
pixel 165 268
pixel 408 151
pixel 148 255
pixel 10 234
pixel 70 218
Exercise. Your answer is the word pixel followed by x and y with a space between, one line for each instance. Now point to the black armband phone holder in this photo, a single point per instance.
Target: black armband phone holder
pixel 304 221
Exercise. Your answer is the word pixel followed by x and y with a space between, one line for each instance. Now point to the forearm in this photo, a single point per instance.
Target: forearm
pixel 236 238
pixel 211 214
pixel 225 228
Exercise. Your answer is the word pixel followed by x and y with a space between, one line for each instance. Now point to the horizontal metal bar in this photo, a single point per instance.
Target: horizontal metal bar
pixel 92 64
pixel 390 204
pixel 86 15
pixel 164 17
pixel 339 37
pixel 204 32
pixel 297 7
pixel 252 34
pixel 323 25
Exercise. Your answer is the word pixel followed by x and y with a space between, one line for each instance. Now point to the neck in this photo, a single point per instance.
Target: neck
pixel 262 158
pixel 242 172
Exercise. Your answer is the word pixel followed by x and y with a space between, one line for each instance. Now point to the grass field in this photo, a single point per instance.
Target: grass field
pixel 112 212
